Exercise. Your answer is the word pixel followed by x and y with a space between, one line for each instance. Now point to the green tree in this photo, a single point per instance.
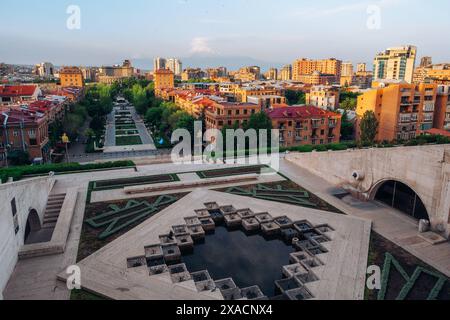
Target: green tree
pixel 369 127
pixel 259 121
pixel 349 104
pixel 295 97
pixel 347 127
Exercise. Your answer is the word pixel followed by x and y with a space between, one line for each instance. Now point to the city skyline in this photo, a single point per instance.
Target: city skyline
pixel 269 34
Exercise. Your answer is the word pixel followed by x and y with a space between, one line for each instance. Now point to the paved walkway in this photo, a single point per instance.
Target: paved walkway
pixel 389 223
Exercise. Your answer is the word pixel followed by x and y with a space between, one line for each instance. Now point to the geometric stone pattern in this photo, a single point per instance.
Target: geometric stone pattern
pixel 296 197
pixel 410 280
pixel 119 218
pixel 304 237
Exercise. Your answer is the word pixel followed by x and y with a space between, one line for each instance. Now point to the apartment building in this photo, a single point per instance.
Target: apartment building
pixel 247 74
pixel 112 74
pixel 229 114
pixel 18 94
pixel 442 110
pixel 159 63
pixel 242 93
pixel 71 77
pixel 285 73
pixel 305 125
pixel 175 65
pixel 323 97
pixel 266 101
pixel 437 73
pixel 302 67
pixel 395 63
pixel 403 110
pixel 272 74
pixel 164 79
pixel 25 131
pixel 191 73
pixel 317 78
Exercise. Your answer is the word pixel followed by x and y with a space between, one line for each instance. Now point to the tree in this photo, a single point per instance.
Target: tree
pixel 347 127
pixel 295 97
pixel 369 127
pixel 259 121
pixel 349 104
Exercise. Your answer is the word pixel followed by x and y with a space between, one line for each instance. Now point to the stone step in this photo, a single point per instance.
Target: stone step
pixel 55 203
pixel 50 219
pixel 49 225
pixel 59 195
pixel 52 210
pixel 51 215
pixel 53 206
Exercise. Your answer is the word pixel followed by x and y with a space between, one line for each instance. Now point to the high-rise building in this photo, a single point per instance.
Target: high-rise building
pixel 426 61
pixel 272 74
pixel 361 67
pixel 304 67
pixel 174 65
pixel 346 74
pixel 286 73
pixel 395 64
pixel 45 69
pixel 159 63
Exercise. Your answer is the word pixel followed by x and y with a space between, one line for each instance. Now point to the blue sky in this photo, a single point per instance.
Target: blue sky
pixel 277 31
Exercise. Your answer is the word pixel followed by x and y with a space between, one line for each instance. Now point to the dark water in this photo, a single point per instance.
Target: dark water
pixel 249 260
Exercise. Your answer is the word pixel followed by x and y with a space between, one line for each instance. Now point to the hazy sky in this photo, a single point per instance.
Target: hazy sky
pixel 279 31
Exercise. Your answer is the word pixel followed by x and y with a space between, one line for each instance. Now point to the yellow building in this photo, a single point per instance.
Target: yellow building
pixel 395 64
pixel 403 110
pixel 71 77
pixel 303 67
pixel 242 93
pixel 323 97
pixel 164 79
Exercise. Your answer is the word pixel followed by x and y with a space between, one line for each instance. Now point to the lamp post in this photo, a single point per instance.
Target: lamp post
pixel 66 141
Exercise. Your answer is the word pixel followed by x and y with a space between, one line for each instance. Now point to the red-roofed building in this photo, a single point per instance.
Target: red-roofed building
pixel 303 125
pixel 25 131
pixel 17 94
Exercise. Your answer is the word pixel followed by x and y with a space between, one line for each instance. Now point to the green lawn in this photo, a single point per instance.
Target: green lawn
pixel 128 141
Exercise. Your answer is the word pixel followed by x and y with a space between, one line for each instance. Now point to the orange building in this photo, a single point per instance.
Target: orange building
pixel 306 125
pixel 317 78
pixel 303 67
pixel 71 77
pixel 164 79
pixel 403 110
pixel 229 114
pixel 442 111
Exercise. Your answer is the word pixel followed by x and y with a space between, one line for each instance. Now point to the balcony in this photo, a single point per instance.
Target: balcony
pixel 282 128
pixel 332 124
pixel 316 124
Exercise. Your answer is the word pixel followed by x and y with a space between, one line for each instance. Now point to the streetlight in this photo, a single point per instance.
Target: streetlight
pixel 66 141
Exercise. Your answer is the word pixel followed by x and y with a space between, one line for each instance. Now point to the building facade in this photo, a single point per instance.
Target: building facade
pixel 175 65
pixel 304 67
pixel 229 114
pixel 18 94
pixel 395 63
pixel 71 77
pixel 442 112
pixel 305 125
pixel 323 97
pixel 164 79
pixel 403 110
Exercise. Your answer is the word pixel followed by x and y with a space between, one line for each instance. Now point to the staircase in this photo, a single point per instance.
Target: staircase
pixel 52 211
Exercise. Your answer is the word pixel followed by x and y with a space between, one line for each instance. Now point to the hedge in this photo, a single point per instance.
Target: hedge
pixel 18 172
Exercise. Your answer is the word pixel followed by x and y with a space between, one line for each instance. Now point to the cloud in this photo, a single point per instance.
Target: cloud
pixel 201 45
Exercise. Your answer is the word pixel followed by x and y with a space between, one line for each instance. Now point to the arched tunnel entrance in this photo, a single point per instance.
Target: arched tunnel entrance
pixel 401 197
pixel 33 224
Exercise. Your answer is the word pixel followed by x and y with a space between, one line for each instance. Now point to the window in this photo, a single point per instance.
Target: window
pixel 16 133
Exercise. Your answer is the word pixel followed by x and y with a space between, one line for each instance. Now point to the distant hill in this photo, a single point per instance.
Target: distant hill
pixel 197 61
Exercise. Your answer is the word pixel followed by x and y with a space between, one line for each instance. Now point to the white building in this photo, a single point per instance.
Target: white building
pixel 396 63
pixel 175 66
pixel 45 70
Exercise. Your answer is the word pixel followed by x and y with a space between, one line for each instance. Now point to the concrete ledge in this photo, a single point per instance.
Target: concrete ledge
pixel 190 184
pixel 57 244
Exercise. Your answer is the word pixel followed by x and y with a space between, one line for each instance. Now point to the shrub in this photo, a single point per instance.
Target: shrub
pixel 18 172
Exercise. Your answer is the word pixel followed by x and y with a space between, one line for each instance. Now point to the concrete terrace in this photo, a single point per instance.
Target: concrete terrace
pixel 35 278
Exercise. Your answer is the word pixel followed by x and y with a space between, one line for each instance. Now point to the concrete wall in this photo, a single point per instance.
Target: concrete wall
pixel 29 194
pixel 426 169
